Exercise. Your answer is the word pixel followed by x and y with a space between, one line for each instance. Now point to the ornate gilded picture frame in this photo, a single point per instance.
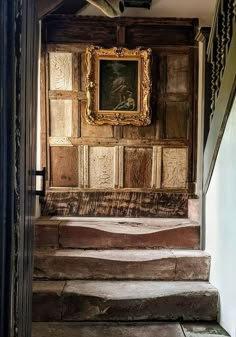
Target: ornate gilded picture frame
pixel 118 86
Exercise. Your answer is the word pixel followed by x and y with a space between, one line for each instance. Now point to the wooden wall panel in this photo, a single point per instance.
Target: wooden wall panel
pixel 101 166
pixel 64 166
pixel 60 70
pixel 129 157
pixel 177 73
pixel 137 167
pixel 93 131
pixel 143 132
pixel 176 116
pixel 174 168
pixel 78 30
pixel 83 71
pixel 155 35
pixel 60 118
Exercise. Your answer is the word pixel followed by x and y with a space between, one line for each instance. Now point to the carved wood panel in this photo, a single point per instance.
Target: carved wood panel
pixel 60 118
pixel 101 167
pixel 60 65
pixel 174 168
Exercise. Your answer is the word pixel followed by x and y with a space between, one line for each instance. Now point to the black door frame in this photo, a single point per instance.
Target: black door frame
pixel 18 93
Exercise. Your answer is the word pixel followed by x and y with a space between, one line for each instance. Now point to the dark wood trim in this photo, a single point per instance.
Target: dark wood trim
pixel 60 29
pixel 108 204
pixel 221 112
pixel 18 82
pixel 7 105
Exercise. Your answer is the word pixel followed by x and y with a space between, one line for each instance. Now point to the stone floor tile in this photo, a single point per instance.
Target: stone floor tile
pixel 203 330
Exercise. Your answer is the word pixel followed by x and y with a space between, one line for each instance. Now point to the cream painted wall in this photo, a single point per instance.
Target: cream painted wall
pixel 202 9
pixel 221 225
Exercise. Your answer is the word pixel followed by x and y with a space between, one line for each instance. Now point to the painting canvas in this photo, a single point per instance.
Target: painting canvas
pixel 118 83
pixel 118 86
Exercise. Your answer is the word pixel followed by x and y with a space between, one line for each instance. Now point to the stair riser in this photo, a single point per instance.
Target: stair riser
pixel 107 330
pixel 73 307
pixel 67 267
pixel 141 329
pixel 85 237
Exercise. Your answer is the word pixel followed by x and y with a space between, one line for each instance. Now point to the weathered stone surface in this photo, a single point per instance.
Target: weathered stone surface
pixel 127 235
pixel 203 330
pixel 47 301
pixel 106 330
pixel 192 265
pixel 110 264
pixel 139 300
pixel 46 233
pixel 122 264
pixel 194 209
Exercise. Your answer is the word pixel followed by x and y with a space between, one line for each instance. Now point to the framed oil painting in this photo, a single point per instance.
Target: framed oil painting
pixel 118 86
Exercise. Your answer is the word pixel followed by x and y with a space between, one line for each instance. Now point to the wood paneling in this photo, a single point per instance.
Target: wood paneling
pixel 127 204
pixel 60 118
pixel 126 158
pixel 176 116
pixel 94 131
pixel 137 167
pixel 86 32
pixel 101 167
pixel 174 174
pixel 60 65
pixel 139 31
pixel 142 132
pixel 64 166
pixel 146 32
pixel 177 73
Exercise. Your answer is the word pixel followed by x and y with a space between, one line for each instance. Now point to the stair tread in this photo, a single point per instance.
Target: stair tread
pixel 106 233
pixel 75 329
pixel 118 290
pixel 131 228
pixel 124 254
pixel 82 300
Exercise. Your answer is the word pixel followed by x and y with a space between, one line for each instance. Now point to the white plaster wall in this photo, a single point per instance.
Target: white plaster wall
pixel 221 225
pixel 202 9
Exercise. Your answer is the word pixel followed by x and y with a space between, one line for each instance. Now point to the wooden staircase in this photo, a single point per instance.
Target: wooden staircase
pixel 97 270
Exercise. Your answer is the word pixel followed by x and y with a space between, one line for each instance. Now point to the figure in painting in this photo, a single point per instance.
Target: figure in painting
pixel 121 93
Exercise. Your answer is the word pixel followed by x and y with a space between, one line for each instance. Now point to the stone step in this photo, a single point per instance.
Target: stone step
pixel 124 301
pixel 75 329
pixel 105 233
pixel 142 264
